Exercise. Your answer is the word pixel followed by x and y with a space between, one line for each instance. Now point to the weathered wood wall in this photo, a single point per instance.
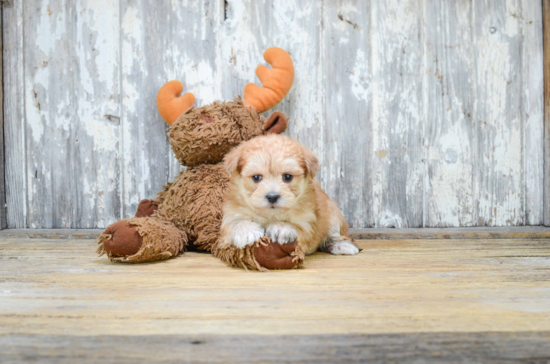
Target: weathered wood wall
pixel 423 112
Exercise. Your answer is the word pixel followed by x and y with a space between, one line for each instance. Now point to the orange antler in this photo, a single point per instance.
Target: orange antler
pixel 170 105
pixel 276 81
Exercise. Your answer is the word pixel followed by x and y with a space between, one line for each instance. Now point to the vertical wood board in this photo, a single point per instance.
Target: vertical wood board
pixel 3 220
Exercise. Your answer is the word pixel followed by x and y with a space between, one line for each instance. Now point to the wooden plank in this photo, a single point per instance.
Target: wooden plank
pixel 546 45
pixel 533 110
pixel 347 151
pixel 489 347
pixel 97 89
pixel 398 167
pixel 14 117
pixel 399 286
pixel 499 127
pixel 72 110
pixel 449 101
pixel 3 219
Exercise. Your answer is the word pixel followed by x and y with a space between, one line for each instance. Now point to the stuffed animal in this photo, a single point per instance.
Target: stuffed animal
pixel 187 213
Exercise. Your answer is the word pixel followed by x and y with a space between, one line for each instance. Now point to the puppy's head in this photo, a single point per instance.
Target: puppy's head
pixel 271 172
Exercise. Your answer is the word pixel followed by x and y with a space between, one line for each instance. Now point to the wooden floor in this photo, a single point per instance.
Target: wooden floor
pixel 398 300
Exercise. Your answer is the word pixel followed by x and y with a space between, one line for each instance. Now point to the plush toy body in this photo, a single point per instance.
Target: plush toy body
pixel 188 212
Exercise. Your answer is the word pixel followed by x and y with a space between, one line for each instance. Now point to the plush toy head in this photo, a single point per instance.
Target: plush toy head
pixel 206 134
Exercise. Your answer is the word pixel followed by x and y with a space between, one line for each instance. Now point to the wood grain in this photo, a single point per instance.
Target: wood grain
pixel 146 64
pixel 3 218
pixel 546 40
pixel 449 136
pixel 533 75
pixel 500 189
pixel 423 113
pixel 14 116
pixel 60 287
pixel 398 300
pixel 397 163
pixel 488 347
pixel 71 107
pixel 347 136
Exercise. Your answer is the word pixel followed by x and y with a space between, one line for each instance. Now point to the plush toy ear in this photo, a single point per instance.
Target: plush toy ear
pixel 311 162
pixel 231 161
pixel 276 123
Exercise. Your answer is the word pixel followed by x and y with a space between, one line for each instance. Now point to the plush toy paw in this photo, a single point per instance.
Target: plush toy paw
pixel 146 208
pixel 272 255
pixel 124 239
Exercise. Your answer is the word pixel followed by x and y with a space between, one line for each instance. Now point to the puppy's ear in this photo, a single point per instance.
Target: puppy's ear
pixel 232 159
pixel 311 162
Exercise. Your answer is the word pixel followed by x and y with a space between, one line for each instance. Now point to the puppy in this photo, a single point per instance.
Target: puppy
pixel 272 193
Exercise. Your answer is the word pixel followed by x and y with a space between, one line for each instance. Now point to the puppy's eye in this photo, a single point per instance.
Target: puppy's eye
pixel 257 178
pixel 287 177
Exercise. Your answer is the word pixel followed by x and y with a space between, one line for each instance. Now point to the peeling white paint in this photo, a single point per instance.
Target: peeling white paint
pixel 359 77
pixel 419 116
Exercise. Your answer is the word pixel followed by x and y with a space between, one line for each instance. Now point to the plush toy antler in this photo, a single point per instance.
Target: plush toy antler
pixel 276 81
pixel 170 105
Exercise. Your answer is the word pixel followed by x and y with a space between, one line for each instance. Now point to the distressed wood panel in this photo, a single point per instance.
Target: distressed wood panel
pixel 499 167
pixel 3 221
pixel 14 116
pixel 532 92
pixel 397 163
pixel 546 40
pixel 71 92
pixel 449 139
pixel 346 172
pixel 422 113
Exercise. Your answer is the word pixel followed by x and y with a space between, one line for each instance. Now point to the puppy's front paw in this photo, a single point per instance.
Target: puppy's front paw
pixel 343 247
pixel 282 233
pixel 246 233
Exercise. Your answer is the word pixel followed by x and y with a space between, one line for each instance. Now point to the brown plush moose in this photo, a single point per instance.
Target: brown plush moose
pixel 188 211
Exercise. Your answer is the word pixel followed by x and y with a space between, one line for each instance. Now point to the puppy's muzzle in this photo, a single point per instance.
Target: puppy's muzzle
pixel 272 197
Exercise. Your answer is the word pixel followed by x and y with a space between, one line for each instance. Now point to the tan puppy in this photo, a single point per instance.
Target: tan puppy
pixel 272 193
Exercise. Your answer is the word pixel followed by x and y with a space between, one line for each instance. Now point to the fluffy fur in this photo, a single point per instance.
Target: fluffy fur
pixel 272 192
pixel 187 213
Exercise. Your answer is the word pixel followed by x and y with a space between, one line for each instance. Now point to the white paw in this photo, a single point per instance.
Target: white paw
pixel 246 233
pixel 282 233
pixel 343 247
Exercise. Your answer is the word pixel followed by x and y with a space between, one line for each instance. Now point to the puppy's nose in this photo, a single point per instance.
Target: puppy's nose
pixel 272 197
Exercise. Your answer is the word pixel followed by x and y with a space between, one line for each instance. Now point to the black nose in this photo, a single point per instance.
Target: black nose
pixel 272 197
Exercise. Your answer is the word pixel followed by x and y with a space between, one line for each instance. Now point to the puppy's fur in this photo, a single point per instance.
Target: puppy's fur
pixel 262 199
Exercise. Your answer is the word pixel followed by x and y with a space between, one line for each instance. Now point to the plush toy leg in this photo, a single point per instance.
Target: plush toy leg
pixel 146 208
pixel 262 256
pixel 139 240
